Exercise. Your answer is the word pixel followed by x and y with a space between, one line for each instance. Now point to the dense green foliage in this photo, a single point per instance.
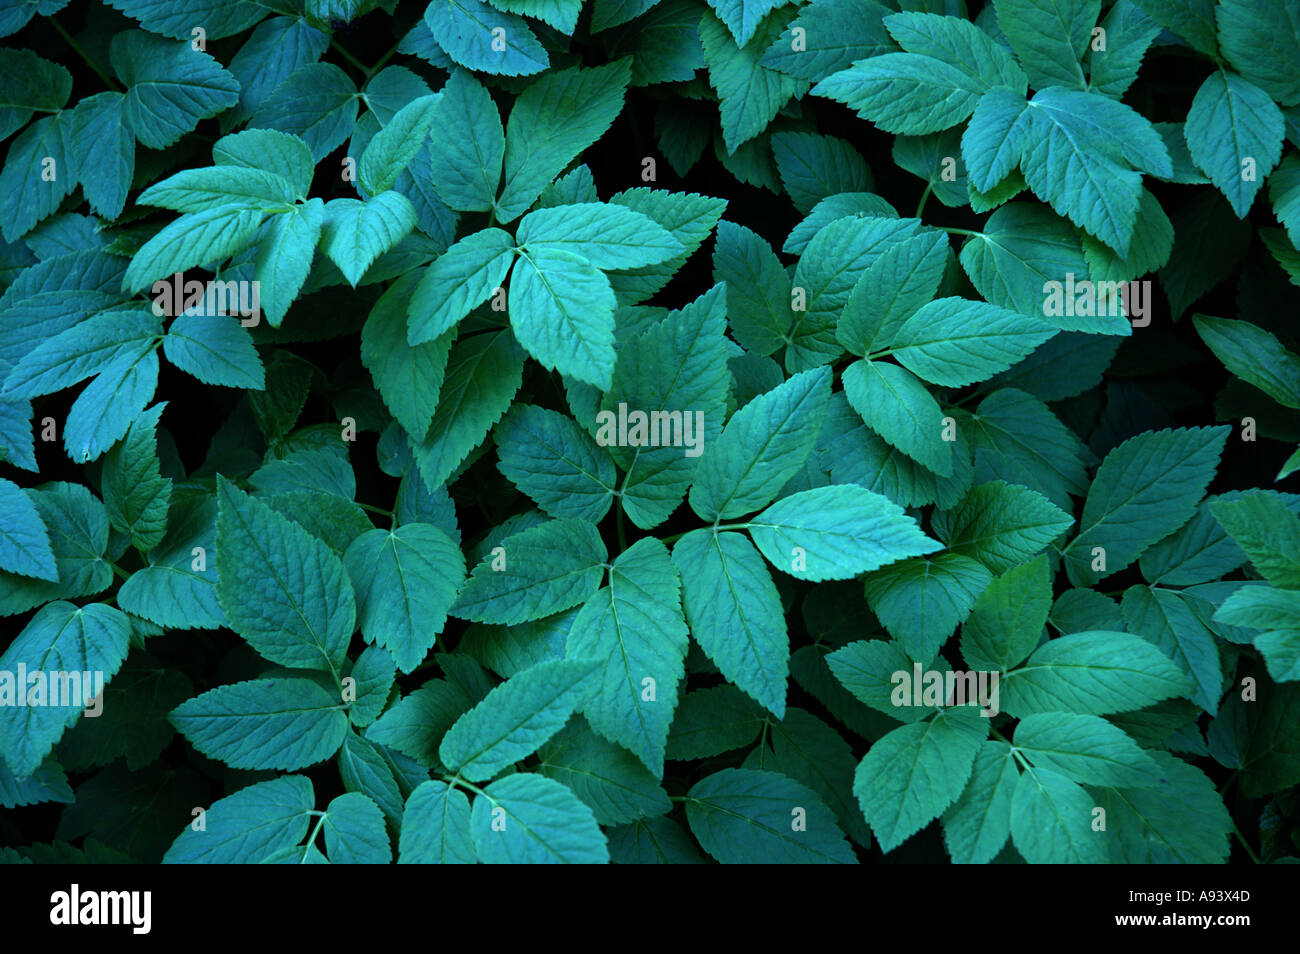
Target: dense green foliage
pixel 650 430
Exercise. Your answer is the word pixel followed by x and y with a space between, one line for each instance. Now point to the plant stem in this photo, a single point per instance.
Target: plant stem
pixel 373 509
pixel 920 206
pixel 382 60
pixel 341 51
pixel 1242 838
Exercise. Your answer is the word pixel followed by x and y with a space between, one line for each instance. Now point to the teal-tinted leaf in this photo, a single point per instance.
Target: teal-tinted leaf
pixel 216 349
pixel 977 825
pixel 66 645
pixel 480 37
pixel 268 150
pixel 210 187
pixel 516 718
pixel 356 233
pixel 954 341
pixel 201 238
pixel 408 378
pixel 762 447
pixel 904 93
pixel 758 288
pixel 897 406
pixel 1087 749
pixel 553 460
pixel 1093 673
pixel 436 827
pixel 749 94
pixel 1006 622
pixel 1255 356
pixel 562 312
pixel 959 43
pixel 354 832
pixel 249 826
pixel 899 282
pixel 283 723
pixel 634 627
pixel 535 573
pixel 179 587
pixel 461 279
pixel 1143 491
pixel 837 33
pixel 135 493
pixel 1269 533
pixel 1049 37
pixel 285 254
pixel 26 196
pixel 921 601
pixel 552 121
pixel 709 722
pixel 304 610
pixel 530 819
pixel 1001 524
pixel 814 167
pixel 1164 618
pixel 103 152
pixel 391 149
pixel 1051 820
pixel 734 613
pixel 916 771
pixel 608 236
pixel 317 103
pixel 46 784
pixel 614 783
pixel 169 86
pixel 24 541
pixel 1234 128
pixel 483 373
pixel 405 580
pixel 836 533
pixel 743 816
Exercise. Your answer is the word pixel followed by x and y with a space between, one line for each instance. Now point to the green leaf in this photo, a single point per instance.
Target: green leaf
pixel 711 721
pixel 562 312
pixel 977 825
pixel 471 33
pixel 535 573
pixel 1049 37
pixel 1086 748
pixel 608 236
pixel 200 238
pixel 734 613
pixel 958 43
pixel 1001 524
pixel 1234 128
pixel 354 832
pixel 1144 490
pixel 24 541
pixel 688 218
pixel 1051 820
pixel 216 349
pixel 284 256
pixel 553 460
pixel 813 167
pixel 954 342
pixel 25 196
pixel 1129 33
pixel 837 33
pixel 355 233
pixel 210 187
pixel 750 95
pixel 1261 40
pixel 1092 673
pixel 899 282
pixel 913 773
pixel 102 150
pixel 467 167
pixel 250 826
pixel 268 150
pixel 516 718
pixel 743 816
pixel 178 589
pixel 135 492
pixel 897 406
pixel 405 580
pixel 317 103
pixel 553 120
pixel 169 86
pixel 530 819
pixel 461 279
pixel 286 723
pixel 282 590
pixel 436 827
pixel 1018 439
pixel 59 642
pixel 47 784
pixel 904 93
pixel 1183 821
pixel 1267 531
pixel 392 148
pixel 408 378
pixel 836 533
pixel 30 84
pixel 1253 355
pixel 634 627
pixel 617 787
pixel 483 373
pixel 1165 618
pixel 921 601
pixel 1007 620
pixel 758 288
pixel 763 446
